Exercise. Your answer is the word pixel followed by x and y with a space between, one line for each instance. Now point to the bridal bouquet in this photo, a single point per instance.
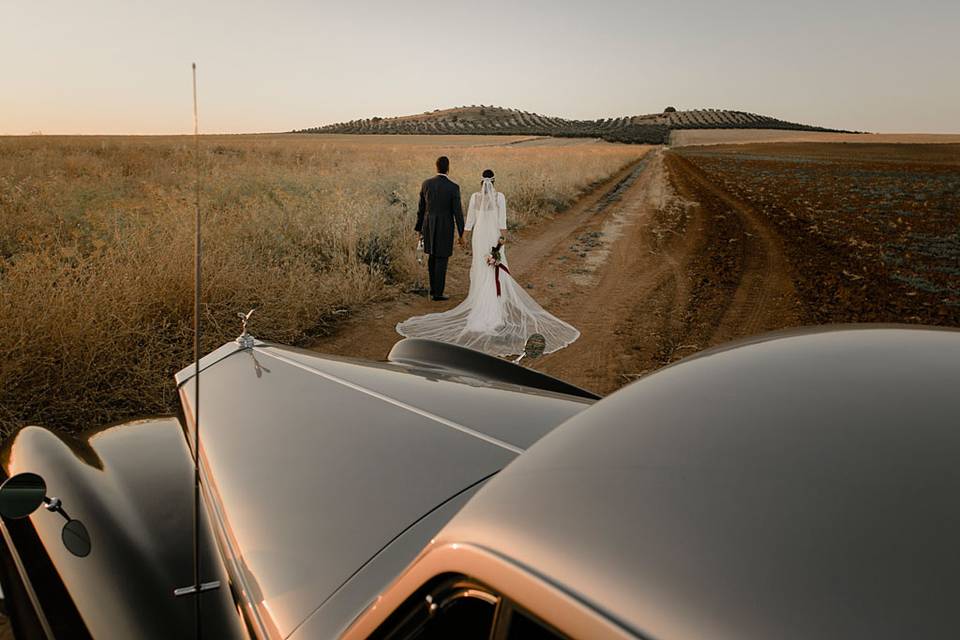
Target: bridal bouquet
pixel 495 261
pixel 494 258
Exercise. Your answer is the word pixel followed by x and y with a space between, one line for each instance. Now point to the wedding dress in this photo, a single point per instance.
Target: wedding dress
pixel 485 321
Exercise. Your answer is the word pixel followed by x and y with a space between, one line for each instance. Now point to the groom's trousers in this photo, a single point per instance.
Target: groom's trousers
pixel 437 266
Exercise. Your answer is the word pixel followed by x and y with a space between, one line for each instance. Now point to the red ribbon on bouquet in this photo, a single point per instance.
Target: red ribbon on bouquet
pixel 497 267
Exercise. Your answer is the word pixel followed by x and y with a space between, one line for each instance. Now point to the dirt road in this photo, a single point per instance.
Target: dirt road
pixel 653 265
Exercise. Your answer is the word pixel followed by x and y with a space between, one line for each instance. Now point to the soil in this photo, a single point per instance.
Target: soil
pixel 686 137
pixel 872 230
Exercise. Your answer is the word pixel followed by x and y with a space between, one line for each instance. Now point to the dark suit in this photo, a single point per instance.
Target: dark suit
pixel 440 209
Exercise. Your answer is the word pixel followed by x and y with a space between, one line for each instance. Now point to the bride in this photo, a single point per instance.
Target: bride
pixel 497 315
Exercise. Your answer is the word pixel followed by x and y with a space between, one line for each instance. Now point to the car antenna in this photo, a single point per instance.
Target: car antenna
pixel 197 587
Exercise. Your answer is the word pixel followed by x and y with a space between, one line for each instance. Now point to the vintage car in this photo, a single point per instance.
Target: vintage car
pixel 795 485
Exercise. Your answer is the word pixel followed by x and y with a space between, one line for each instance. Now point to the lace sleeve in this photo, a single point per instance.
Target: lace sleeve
pixel 471 213
pixel 502 210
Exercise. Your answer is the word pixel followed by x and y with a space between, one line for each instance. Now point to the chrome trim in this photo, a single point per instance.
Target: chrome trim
pixel 204 586
pixel 232 559
pixel 477 594
pixel 557 605
pixel 27 585
pixel 245 340
pixel 397 403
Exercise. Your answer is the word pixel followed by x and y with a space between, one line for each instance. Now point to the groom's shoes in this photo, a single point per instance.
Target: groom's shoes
pixel 440 298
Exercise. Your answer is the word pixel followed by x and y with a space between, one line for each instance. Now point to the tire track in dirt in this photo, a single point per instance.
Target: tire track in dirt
pixel 633 287
pixel 765 298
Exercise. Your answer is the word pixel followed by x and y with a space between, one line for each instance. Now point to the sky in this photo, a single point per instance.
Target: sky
pixel 123 66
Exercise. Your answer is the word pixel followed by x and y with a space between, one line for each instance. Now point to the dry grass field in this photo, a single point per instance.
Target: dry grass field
pixel 96 245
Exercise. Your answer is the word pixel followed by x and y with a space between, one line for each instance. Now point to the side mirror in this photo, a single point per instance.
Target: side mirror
pixel 76 538
pixel 21 495
pixel 534 347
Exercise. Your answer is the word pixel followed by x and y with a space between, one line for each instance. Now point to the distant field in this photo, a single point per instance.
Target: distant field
pixel 687 137
pixel 651 128
pixel 557 142
pixel 390 140
pixel 96 247
pixel 872 230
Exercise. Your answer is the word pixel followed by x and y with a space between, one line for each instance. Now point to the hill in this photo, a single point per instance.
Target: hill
pixel 488 120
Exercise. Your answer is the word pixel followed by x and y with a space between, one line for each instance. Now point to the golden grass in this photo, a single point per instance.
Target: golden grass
pixel 96 245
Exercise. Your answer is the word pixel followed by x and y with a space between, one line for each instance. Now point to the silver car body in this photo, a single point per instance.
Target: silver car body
pixel 328 475
pixel 802 485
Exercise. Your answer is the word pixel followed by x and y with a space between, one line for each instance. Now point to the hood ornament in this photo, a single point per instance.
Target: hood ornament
pixel 245 340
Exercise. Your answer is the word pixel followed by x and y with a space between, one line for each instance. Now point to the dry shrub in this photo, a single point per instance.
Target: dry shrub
pixel 96 246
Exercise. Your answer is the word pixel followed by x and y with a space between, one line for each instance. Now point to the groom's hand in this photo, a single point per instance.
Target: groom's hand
pixel 460 242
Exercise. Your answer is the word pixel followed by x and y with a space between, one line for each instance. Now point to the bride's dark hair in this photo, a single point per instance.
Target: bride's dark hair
pixel 487 173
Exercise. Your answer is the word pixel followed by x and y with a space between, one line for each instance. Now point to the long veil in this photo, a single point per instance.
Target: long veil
pixel 495 324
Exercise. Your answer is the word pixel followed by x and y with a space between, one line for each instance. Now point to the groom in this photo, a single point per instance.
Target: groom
pixel 440 207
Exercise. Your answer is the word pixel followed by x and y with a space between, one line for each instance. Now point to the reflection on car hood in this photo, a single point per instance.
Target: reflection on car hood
pixel 316 463
pixel 800 485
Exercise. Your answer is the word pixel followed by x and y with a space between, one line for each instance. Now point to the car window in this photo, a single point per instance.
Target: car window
pixel 524 627
pixel 465 614
pixel 450 608
pixel 457 607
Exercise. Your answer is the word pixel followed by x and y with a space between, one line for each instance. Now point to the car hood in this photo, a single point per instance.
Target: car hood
pixel 314 464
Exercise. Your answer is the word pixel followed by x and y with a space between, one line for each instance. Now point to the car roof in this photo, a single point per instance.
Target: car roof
pixel 316 464
pixel 800 486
